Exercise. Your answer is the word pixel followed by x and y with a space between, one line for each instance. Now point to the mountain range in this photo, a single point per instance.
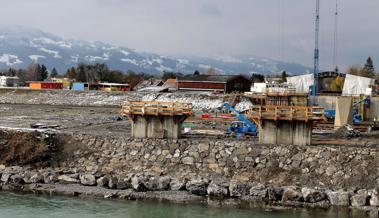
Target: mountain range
pixel 21 46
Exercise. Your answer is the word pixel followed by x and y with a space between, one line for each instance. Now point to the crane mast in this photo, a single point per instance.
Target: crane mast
pixel 316 52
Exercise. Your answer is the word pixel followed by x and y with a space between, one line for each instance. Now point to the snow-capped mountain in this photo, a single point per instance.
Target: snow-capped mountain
pixel 20 46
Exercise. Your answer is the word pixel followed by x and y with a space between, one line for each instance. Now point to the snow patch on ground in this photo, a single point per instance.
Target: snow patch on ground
pixel 127 60
pixel 158 60
pixel 204 66
pixel 36 57
pixel 49 41
pixel 55 53
pixel 126 53
pixel 10 60
pixel 183 61
pixel 75 58
pixel 163 68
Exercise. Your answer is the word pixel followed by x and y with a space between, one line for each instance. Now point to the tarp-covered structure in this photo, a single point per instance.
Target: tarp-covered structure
pixel 302 82
pixel 357 85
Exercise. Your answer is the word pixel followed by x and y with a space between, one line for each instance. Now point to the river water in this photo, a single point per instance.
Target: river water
pixel 13 205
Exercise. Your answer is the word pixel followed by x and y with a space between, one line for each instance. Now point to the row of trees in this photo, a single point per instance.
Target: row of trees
pixel 100 72
pixel 34 72
pixel 367 70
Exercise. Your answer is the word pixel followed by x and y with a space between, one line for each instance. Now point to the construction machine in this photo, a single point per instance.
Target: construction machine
pixel 242 127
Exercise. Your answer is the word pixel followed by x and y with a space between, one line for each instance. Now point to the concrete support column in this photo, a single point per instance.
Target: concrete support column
pixel 155 127
pixel 284 133
pixel 139 127
pixel 172 127
pixel 267 133
pixel 302 133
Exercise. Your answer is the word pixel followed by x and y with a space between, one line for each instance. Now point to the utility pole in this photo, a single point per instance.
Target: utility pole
pixel 316 52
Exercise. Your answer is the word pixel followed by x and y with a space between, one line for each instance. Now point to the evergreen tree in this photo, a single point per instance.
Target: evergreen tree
pixel 368 69
pixel 284 76
pixel 43 72
pixel 54 73
pixel 81 74
pixel 257 78
pixel 71 73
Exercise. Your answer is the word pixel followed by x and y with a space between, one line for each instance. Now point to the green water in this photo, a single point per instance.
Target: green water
pixel 30 206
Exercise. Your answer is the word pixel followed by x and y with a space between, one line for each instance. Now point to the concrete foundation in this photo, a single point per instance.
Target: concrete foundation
pixel 168 127
pixel 285 132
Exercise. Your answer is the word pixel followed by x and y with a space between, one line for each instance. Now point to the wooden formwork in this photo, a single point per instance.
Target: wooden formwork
pixel 289 113
pixel 156 109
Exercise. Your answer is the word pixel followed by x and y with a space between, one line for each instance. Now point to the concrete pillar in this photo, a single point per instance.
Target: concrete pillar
pixel 284 132
pixel 155 127
pixel 344 112
pixel 302 133
pixel 139 127
pixel 172 127
pixel 267 133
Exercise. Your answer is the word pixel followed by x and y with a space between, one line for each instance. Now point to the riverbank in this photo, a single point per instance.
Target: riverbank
pixel 179 197
pixel 225 172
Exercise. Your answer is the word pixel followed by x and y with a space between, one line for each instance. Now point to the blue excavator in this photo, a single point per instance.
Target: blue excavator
pixel 242 127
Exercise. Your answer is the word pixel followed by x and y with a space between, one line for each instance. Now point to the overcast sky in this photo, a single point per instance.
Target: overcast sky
pixel 279 29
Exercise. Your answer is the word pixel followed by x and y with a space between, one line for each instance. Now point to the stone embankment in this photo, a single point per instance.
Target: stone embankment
pixel 226 172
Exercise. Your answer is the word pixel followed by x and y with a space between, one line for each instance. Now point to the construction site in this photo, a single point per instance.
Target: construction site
pixel 270 118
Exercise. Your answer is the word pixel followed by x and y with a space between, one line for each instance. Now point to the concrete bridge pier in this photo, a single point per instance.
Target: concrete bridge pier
pixel 285 132
pixel 157 126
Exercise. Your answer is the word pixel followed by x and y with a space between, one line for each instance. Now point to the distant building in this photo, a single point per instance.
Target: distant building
pixel 66 82
pixel 171 84
pixel 45 85
pixel 114 87
pixel 148 83
pixel 79 86
pixel 9 81
pixel 214 83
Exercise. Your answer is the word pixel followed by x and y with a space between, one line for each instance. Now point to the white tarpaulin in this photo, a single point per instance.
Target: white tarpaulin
pixel 356 85
pixel 301 83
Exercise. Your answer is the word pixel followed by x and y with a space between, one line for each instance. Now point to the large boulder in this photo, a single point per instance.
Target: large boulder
pixel 87 179
pixel 291 193
pixel 50 177
pixel 217 190
pixel 197 187
pixel 258 191
pixel 338 198
pixel 164 183
pixel 112 182
pixel 5 177
pixel 102 181
pixel 138 183
pixel 238 189
pixel 16 180
pixel 359 199
pixel 374 197
pixel 313 195
pixel 36 178
pixel 123 184
pixel 67 179
pixel 275 193
pixel 177 185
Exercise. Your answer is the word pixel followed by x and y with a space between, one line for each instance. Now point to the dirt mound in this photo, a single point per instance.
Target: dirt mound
pixel 347 131
pixel 26 148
